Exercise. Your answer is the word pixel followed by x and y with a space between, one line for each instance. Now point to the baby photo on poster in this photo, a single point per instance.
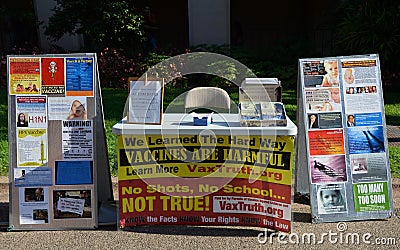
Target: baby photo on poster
pixel 331 198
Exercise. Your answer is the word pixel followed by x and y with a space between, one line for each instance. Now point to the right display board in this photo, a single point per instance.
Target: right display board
pixel 342 114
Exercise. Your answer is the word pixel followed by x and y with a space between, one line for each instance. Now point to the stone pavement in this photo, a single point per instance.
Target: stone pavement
pixel 393 134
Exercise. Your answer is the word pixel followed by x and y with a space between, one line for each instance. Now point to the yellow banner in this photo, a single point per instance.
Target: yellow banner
pixel 278 143
pixel 265 158
pixel 207 170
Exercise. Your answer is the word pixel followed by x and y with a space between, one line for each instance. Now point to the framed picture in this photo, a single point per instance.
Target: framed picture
pixel 145 100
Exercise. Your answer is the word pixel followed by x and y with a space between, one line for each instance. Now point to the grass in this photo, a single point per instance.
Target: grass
pixel 392 107
pixel 3 132
pixel 114 103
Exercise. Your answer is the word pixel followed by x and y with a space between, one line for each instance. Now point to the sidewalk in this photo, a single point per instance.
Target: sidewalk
pixel 393 134
pixel 4 198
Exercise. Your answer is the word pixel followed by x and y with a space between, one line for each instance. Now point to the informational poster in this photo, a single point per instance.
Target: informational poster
pixel 72 204
pixel 331 198
pixel 74 172
pixel 24 76
pixel 52 148
pixel 53 76
pixel 31 111
pixel 187 180
pixel 79 76
pixel 77 139
pixel 371 196
pixel 67 108
pixel 28 176
pixel 34 205
pixel 328 168
pixel 346 144
pixel 326 142
pixel 32 147
pixel 145 101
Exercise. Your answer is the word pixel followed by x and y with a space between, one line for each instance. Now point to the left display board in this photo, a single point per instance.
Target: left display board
pixel 52 124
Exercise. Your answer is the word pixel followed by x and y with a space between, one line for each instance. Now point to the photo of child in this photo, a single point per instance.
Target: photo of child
pixel 331 78
pixel 333 103
pixel 348 76
pixel 78 111
pixel 331 199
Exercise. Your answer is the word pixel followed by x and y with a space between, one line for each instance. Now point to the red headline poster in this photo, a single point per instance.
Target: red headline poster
pixel 24 76
pixel 326 142
pixel 53 76
pixel 170 202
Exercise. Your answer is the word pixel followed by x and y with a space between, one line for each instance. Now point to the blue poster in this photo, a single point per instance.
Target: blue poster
pixel 363 140
pixel 368 119
pixel 79 76
pixel 74 172
pixel 30 177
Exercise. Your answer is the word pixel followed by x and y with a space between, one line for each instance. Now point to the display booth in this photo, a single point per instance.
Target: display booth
pixel 342 157
pixel 57 147
pixel 181 172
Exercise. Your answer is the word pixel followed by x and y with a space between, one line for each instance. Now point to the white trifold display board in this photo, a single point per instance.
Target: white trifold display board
pixel 57 147
pixel 342 154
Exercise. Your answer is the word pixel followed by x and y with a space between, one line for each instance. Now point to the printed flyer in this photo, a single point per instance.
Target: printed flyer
pixel 77 140
pixel 34 205
pixel 31 111
pixel 74 172
pixel 324 120
pixel 371 196
pixel 25 177
pixel 32 147
pixel 326 142
pixel 67 108
pixel 364 140
pixel 72 204
pixel 323 100
pixel 145 101
pixel 24 75
pixel 368 167
pixel 242 180
pixel 331 198
pixel 79 76
pixel 328 168
pixel 53 76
